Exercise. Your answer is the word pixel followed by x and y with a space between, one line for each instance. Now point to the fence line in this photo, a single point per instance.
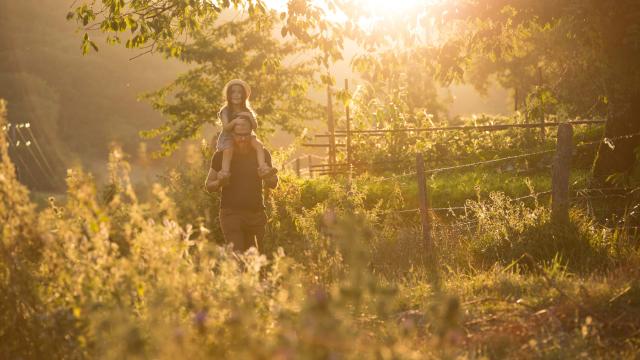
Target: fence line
pixel 579 192
pixel 495 127
pixel 454 208
pixel 35 141
pixel 331 167
pixel 607 140
pixel 355 164
pixel 302 156
pixel 560 192
pixel 394 177
pixel 28 170
pixel 323 145
pixel 478 163
pixel 45 169
pixel 343 168
pixel 20 138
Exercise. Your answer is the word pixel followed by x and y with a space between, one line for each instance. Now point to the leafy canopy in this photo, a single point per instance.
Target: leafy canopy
pixel 240 49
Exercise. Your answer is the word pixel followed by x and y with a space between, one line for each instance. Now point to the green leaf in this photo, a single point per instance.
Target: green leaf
pixel 85 44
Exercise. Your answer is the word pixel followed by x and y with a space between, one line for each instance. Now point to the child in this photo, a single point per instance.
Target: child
pixel 237 93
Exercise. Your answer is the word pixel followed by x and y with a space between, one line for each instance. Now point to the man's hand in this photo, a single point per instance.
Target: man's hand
pixel 212 183
pixel 271 181
pixel 230 125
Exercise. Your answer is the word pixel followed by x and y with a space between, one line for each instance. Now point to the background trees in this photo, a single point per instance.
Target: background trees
pixel 582 52
pixel 279 73
pixel 578 56
pixel 76 105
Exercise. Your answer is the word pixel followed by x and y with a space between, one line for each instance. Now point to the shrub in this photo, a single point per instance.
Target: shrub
pixel 509 229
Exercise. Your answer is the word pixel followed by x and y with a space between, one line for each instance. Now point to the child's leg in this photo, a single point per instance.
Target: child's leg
pixel 262 163
pixel 227 154
pixel 263 168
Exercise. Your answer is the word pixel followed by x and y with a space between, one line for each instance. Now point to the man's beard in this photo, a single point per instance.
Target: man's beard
pixel 242 147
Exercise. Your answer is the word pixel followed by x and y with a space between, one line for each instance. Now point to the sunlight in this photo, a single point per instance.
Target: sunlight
pixel 389 7
pixel 367 13
pixel 332 15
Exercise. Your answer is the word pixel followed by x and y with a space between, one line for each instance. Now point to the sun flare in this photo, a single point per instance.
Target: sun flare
pixel 366 12
pixel 387 7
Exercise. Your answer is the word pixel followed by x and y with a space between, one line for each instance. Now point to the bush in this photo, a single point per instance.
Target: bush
pixel 105 275
pixel 509 229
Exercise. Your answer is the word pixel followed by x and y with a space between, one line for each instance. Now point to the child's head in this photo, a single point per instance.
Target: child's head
pixel 237 93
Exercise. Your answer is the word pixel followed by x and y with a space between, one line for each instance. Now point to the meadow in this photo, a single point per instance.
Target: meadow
pixel 124 270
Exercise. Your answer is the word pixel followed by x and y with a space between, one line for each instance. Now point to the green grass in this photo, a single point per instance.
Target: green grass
pixel 103 274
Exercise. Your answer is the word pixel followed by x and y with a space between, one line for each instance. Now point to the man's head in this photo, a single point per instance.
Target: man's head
pixel 242 134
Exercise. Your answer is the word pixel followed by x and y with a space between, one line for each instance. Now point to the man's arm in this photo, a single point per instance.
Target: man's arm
pixel 228 126
pixel 271 182
pixel 212 183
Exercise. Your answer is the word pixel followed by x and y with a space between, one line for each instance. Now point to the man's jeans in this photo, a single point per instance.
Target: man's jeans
pixel 243 228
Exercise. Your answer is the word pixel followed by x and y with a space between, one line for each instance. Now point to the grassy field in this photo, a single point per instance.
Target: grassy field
pixel 140 271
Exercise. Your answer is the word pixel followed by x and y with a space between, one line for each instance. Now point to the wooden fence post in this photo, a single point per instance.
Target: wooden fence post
pixel 310 167
pixel 348 121
pixel 424 208
pixel 331 128
pixel 560 175
pixel 298 167
pixel 540 98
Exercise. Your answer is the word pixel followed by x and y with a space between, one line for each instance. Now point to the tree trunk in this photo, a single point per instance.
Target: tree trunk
pixel 623 91
pixel 617 155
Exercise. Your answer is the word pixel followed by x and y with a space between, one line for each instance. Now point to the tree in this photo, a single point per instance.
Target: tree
pixel 239 49
pixel 198 32
pixel 586 49
pixel 154 24
pixel 76 105
pixel 590 50
pixel 579 55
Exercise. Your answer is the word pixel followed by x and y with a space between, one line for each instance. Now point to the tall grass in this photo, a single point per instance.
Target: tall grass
pixel 342 275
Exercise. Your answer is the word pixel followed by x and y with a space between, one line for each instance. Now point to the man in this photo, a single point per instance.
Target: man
pixel 242 216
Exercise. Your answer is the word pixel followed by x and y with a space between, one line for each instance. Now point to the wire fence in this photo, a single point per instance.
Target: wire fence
pixel 609 141
pixel 21 136
pixel 491 127
pixel 580 194
pixel 466 166
pixel 560 198
pixel 344 168
pixel 347 168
